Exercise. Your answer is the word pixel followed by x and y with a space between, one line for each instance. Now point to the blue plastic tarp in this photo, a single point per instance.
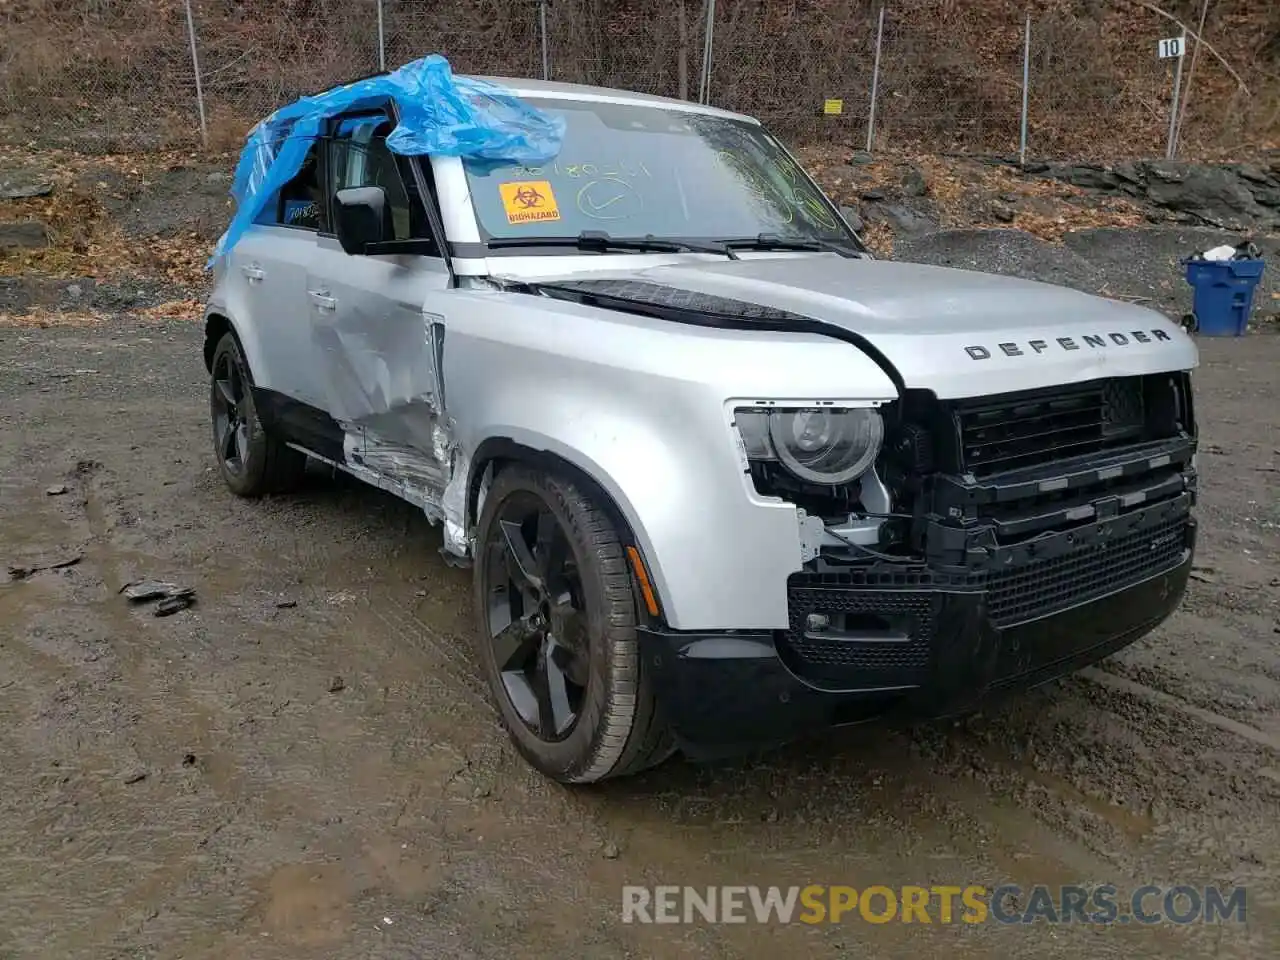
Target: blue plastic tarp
pixel 440 114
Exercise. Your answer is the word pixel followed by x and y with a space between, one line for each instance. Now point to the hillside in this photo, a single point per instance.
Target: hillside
pixel 116 75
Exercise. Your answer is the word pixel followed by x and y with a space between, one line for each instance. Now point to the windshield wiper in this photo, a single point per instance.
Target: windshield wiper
pixel 771 241
pixel 598 240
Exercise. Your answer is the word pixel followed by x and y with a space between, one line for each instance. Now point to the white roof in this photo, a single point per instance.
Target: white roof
pixel 554 90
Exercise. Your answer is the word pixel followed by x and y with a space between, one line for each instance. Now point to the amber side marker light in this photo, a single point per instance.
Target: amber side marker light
pixel 646 588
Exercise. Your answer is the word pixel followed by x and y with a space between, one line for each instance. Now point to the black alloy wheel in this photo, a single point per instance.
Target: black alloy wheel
pixel 252 462
pixel 537 621
pixel 556 615
pixel 230 423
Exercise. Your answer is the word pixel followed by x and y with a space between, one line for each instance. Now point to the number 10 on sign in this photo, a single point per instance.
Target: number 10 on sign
pixel 1168 49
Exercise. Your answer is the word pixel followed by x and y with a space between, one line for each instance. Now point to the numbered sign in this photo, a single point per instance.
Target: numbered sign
pixel 1170 48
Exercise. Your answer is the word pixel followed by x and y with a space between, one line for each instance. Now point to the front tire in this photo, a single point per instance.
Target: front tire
pixel 556 614
pixel 251 462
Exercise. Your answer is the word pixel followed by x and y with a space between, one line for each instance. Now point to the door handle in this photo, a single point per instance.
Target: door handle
pixel 253 272
pixel 323 301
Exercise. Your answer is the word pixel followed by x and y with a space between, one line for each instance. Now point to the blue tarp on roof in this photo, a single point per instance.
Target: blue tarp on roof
pixel 440 114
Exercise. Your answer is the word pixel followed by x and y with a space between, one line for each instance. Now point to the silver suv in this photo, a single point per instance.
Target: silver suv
pixel 721 476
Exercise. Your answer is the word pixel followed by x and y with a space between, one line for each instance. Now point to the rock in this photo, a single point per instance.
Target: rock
pixel 23 234
pixel 1211 193
pixel 286 604
pixel 1010 197
pixel 860 157
pixel 140 591
pixel 1128 172
pixel 1002 213
pixel 134 775
pixel 914 183
pixel 1091 177
pixel 1035 166
pixel 56 490
pixel 172 604
pixel 873 194
pixel 1167 171
pixel 611 851
pixel 74 291
pixel 1255 174
pixel 337 685
pixel 853 218
pixel 907 221
pixel 17 186
pixel 1267 196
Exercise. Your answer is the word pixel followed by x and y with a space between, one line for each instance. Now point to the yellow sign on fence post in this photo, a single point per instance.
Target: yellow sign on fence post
pixel 832 107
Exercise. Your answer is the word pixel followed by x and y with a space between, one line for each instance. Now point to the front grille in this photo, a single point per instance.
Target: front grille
pixel 1043 587
pixel 889 658
pixel 1016 430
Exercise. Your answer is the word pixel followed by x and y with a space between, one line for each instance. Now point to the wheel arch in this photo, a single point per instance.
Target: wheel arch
pixel 218 322
pixel 499 451
pixel 496 451
pixel 216 326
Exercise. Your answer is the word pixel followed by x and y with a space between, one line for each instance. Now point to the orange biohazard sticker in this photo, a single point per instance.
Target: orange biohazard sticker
pixel 528 201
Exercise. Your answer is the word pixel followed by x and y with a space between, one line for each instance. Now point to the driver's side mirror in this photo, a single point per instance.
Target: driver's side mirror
pixel 362 217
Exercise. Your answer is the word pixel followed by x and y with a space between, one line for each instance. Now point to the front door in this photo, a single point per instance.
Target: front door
pixel 375 350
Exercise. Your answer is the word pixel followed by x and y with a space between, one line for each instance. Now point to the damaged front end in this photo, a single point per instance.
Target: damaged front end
pixel 997 543
pixel 1029 504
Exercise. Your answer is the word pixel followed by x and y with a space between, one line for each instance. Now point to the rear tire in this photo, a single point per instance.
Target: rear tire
pixel 252 462
pixel 559 649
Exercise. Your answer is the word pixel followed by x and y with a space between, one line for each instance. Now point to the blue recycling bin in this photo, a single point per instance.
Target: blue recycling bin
pixel 1223 294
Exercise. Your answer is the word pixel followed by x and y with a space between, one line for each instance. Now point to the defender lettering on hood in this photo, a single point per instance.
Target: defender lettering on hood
pixel 1014 348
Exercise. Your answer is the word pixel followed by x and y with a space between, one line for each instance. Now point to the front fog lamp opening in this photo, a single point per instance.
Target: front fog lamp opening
pixel 826 446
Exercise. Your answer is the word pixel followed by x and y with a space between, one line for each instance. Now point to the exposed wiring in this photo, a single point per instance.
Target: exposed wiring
pixel 867 550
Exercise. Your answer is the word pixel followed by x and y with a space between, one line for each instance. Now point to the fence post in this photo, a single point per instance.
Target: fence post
pixel 1026 89
pixel 1172 148
pixel 382 41
pixel 546 49
pixel 704 88
pixel 195 65
pixel 875 84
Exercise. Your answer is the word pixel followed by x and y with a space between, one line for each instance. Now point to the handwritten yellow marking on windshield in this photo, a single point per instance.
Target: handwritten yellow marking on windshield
pixel 590 170
pixel 600 199
pixel 529 201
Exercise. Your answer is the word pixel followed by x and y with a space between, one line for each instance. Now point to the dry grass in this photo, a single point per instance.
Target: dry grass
pixel 115 76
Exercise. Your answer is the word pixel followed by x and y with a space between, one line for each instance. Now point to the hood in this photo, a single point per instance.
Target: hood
pixel 955 332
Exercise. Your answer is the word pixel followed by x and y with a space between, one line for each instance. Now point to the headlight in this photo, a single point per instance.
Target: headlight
pixel 821 445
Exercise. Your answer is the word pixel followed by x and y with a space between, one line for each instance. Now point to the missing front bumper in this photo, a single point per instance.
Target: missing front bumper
pixel 928 648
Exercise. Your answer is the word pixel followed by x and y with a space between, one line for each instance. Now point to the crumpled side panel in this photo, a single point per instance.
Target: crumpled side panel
pixel 440 114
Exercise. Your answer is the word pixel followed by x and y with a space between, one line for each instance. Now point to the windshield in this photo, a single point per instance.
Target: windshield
pixel 651 171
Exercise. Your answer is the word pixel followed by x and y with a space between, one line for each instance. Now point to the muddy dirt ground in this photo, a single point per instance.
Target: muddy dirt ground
pixel 304 764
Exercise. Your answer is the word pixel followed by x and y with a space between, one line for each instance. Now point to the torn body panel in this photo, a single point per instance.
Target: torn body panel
pixel 380 358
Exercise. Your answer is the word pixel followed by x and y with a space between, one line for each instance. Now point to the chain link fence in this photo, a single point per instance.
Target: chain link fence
pixel 902 75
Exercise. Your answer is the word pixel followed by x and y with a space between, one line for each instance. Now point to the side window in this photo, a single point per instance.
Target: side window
pixel 302 203
pixel 359 157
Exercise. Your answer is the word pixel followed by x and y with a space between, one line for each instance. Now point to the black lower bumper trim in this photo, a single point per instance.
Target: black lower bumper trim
pixel 729 691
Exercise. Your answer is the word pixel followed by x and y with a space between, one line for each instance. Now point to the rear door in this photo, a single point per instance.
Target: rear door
pixel 375 349
pixel 270 263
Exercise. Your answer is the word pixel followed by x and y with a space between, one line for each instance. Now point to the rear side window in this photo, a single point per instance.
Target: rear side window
pixel 302 202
